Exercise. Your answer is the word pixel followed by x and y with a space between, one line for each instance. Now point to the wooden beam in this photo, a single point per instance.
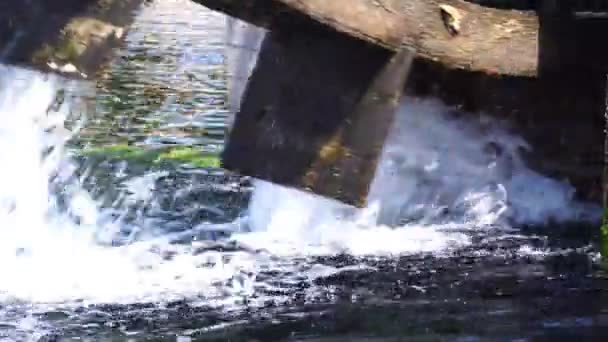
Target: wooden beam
pixel 316 112
pixel 455 33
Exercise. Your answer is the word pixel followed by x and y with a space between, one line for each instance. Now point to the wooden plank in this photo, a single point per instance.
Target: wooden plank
pixel 455 33
pixel 316 112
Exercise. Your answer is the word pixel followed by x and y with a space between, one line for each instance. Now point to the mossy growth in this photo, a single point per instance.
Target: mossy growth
pixel 74 39
pixel 189 155
pixel 65 50
pixel 166 155
pixel 68 49
pixel 604 236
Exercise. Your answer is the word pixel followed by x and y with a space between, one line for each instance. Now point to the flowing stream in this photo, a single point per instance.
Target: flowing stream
pixel 100 247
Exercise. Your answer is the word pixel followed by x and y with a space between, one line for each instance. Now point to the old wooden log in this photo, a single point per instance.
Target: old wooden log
pixel 316 112
pixel 73 37
pixel 455 33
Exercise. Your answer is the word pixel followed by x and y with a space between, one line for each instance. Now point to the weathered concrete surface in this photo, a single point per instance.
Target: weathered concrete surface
pixel 316 112
pixel 74 37
pixel 456 33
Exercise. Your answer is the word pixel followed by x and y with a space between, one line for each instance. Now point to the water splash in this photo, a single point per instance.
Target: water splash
pixel 50 251
pixel 441 172
pixel 437 179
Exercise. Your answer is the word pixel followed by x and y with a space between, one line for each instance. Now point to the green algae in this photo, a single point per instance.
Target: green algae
pixel 191 156
pixel 166 155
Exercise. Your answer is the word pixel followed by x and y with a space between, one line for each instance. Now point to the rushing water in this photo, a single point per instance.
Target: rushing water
pixel 123 250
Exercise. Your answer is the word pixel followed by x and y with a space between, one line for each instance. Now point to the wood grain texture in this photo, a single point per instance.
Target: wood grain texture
pixel 489 40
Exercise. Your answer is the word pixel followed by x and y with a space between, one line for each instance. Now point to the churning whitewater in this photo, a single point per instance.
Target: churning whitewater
pixel 440 176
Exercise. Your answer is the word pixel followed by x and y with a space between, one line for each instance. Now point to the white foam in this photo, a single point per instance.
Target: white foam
pixel 291 223
pixel 438 172
pixel 431 162
pixel 45 256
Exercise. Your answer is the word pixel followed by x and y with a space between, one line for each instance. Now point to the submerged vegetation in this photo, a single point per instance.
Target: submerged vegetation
pixel 164 155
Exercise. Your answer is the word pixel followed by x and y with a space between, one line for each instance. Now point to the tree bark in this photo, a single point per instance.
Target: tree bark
pixel 455 33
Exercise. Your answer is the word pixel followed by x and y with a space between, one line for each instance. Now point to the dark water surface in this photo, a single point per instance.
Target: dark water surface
pixel 167 87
